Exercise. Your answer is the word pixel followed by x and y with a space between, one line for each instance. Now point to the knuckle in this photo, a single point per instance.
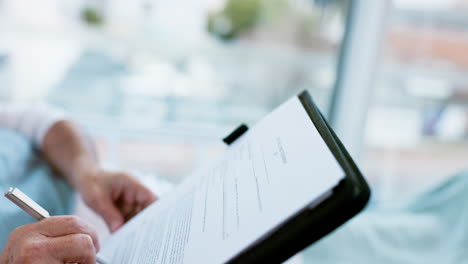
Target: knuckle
pixel 16 233
pixel 72 219
pixel 121 173
pixel 30 250
pixel 90 255
pixel 85 242
pixel 25 257
pixel 93 200
pixel 89 258
pixel 75 223
pixel 125 175
pixel 20 231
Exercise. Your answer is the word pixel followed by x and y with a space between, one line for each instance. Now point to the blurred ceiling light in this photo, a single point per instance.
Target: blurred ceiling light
pixel 430 88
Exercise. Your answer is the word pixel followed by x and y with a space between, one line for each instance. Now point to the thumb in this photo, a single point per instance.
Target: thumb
pixel 110 213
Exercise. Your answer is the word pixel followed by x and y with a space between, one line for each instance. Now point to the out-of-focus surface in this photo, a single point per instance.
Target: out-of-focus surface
pixel 430 229
pixel 416 132
pixel 158 82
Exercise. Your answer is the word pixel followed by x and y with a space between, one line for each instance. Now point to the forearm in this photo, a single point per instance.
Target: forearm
pixel 69 151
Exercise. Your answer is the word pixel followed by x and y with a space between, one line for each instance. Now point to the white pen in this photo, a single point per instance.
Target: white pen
pixel 34 209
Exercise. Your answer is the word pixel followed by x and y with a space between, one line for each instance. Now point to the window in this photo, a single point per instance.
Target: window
pixel 168 78
pixel 417 121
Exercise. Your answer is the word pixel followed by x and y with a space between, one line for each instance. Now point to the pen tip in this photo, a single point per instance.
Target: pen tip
pixel 10 190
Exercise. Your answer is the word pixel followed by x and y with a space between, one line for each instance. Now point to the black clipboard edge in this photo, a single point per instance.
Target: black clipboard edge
pixel 309 225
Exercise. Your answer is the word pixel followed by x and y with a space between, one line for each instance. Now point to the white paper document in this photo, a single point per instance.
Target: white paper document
pixel 277 168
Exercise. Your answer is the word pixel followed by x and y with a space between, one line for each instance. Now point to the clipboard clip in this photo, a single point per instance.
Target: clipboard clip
pixel 237 133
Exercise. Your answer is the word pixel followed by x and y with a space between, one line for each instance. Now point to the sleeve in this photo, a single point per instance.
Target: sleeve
pixel 32 121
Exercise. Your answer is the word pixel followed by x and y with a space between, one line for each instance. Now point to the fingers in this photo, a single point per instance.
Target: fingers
pixel 109 212
pixel 75 248
pixel 145 197
pixel 127 202
pixel 141 195
pixel 135 198
pixel 58 226
pixel 127 211
pixel 117 197
pixel 60 239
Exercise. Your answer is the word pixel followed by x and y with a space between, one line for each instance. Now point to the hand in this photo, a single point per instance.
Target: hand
pixel 117 197
pixel 58 239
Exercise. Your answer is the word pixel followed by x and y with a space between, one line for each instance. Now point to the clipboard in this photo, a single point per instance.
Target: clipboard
pixel 322 216
pixel 185 226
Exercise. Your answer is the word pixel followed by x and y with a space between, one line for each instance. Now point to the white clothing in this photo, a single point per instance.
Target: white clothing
pixel 31 121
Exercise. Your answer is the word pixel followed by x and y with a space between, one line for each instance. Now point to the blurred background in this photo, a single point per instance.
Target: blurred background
pixel 157 83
